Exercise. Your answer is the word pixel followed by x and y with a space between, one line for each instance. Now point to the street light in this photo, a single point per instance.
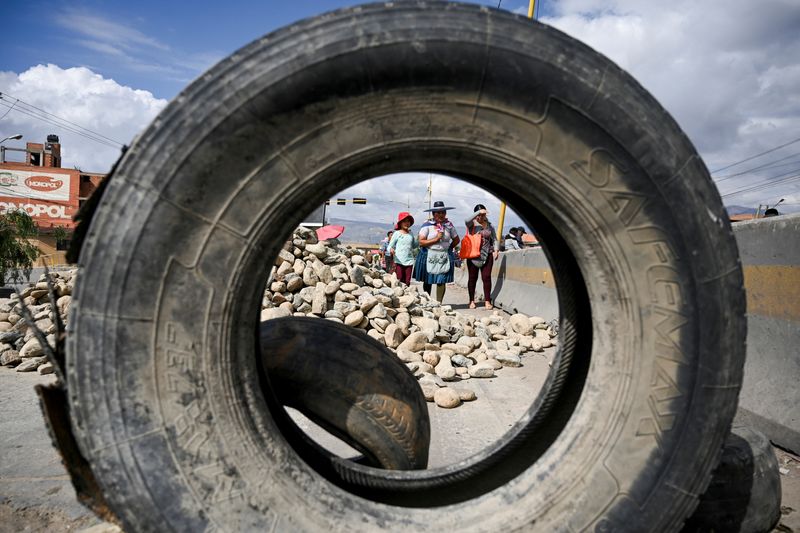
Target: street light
pixel 16 137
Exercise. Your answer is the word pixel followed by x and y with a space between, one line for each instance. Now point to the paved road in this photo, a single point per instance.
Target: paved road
pixel 36 495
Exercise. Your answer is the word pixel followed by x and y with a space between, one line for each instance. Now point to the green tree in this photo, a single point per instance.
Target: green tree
pixel 16 253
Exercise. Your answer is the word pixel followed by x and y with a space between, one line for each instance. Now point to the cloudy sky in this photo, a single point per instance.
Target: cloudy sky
pixel 727 70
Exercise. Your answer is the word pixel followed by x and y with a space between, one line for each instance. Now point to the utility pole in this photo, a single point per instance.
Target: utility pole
pixel 502 219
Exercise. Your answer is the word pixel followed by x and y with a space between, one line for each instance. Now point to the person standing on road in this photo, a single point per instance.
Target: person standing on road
pixel 401 247
pixel 490 249
pixel 510 241
pixel 387 260
pixel 435 263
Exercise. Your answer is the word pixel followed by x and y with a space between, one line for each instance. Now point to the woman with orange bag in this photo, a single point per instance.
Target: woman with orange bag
pixel 490 250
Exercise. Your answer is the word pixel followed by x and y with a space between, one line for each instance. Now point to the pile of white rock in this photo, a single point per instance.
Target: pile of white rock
pixel 441 347
pixel 19 347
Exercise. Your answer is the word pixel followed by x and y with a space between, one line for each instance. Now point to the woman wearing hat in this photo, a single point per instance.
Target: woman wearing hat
pixel 436 261
pixel 402 246
pixel 490 249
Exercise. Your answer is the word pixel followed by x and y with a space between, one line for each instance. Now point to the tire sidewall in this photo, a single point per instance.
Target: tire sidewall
pixel 660 392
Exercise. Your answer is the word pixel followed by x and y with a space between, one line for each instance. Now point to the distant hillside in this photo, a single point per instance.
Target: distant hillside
pixel 740 210
pixel 358 231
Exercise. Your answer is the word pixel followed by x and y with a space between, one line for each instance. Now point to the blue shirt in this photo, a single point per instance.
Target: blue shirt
pixel 403 245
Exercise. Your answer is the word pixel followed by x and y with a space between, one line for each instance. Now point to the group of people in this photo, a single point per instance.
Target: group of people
pixel 429 255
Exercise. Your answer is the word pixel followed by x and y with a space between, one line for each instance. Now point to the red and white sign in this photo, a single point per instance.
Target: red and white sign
pixel 57 213
pixel 27 185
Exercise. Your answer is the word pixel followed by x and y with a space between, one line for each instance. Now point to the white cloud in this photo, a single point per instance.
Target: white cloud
pixel 82 97
pixel 728 71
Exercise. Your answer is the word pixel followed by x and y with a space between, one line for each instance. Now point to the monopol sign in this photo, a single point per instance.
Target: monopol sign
pixel 35 185
pixel 37 210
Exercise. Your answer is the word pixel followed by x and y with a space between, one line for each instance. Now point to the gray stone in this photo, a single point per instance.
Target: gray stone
pixel 294 283
pixel 403 321
pixel 317 249
pixel 367 301
pixel 354 319
pixel 457 348
pixel 46 368
pixel 466 395
pixel 31 364
pixel 278 286
pixel 415 342
pixel 284 255
pixel 319 305
pixel 332 287
pixel 393 336
pixel 377 335
pixel 446 397
pixel 432 379
pixel 444 369
pixel 275 312
pixel 507 358
pixel 378 311
pixel 424 368
pixel 431 357
pixel 10 358
pixel 538 322
pixel 32 348
pixel 481 370
pixel 334 314
pixel 428 391
pixel 407 356
pixel 310 278
pixel 494 363
pixel 521 324
pixel 357 276
pixel 460 360
pixel 349 287
pixel 9 336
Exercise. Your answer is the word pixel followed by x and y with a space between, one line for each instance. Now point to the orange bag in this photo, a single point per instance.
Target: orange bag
pixel 470 246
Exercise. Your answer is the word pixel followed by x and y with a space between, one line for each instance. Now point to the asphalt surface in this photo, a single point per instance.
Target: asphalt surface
pixel 36 494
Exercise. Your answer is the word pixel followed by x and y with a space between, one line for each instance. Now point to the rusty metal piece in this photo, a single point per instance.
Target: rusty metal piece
pixel 55 408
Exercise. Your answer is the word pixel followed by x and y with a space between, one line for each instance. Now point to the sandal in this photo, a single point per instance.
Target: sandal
pixel 472 305
pixel 489 305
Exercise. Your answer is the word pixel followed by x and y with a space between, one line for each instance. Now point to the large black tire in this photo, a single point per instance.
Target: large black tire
pixel 744 495
pixel 349 384
pixel 162 370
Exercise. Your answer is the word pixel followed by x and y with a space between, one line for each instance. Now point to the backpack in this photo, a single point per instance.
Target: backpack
pixel 470 245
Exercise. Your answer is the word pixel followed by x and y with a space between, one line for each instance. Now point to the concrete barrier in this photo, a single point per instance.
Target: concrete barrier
pixel 770 397
pixel 770 252
pixel 521 283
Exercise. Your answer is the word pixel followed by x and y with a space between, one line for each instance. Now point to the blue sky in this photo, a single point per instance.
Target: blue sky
pixel 160 46
pixel 727 70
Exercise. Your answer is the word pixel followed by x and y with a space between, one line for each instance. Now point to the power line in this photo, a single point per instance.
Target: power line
pixel 762 186
pixel 41 114
pixel 757 155
pixel 770 179
pixel 62 126
pixel 771 164
pixel 25 104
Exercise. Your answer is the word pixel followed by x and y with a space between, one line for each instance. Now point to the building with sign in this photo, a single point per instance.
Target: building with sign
pixel 51 195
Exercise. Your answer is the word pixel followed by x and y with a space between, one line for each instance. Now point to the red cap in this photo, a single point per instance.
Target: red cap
pixel 402 216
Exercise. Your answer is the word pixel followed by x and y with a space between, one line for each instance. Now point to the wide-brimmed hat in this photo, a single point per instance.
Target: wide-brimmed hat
pixel 401 217
pixel 438 205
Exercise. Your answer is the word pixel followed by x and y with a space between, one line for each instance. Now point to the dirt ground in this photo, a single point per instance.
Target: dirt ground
pixel 36 494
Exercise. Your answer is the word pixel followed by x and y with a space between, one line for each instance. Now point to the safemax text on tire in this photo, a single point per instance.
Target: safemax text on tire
pixel 162 351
